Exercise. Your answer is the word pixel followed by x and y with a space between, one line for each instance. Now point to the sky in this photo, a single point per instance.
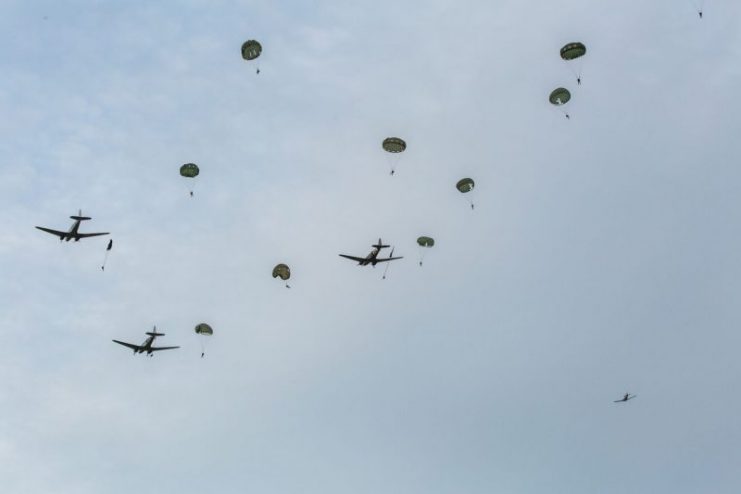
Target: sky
pixel 601 257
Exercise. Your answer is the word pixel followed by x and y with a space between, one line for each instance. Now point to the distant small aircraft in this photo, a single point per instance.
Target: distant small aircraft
pixel 147 345
pixel 372 258
pixel 72 233
pixel 625 398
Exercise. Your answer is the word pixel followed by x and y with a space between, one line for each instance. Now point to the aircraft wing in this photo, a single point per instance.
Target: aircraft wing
pixel 389 259
pixel 163 348
pixel 85 235
pixel 130 345
pixel 53 232
pixel 358 259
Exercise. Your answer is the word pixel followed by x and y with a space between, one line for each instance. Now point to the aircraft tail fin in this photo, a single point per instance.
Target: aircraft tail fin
pixel 80 216
pixel 380 245
pixel 154 332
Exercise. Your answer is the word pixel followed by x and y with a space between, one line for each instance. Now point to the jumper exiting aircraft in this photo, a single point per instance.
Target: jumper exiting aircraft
pixel 372 258
pixel 147 345
pixel 72 233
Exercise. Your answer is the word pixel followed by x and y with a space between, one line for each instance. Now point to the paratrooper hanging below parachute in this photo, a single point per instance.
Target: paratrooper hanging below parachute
pixel 204 331
pixel 283 272
pixel 251 49
pixel 465 186
pixel 424 244
pixel 107 250
pixel 559 97
pixel 191 171
pixel 394 146
pixel 572 54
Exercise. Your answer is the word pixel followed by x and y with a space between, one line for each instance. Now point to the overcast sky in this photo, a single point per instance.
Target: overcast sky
pixel 602 256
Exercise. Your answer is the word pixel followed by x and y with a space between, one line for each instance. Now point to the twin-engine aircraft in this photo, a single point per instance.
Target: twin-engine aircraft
pixel 372 258
pixel 147 345
pixel 72 234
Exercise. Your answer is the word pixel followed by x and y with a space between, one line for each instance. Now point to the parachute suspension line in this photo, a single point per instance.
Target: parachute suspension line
pixel 105 258
pixel 388 265
pixel 576 71
pixel 393 160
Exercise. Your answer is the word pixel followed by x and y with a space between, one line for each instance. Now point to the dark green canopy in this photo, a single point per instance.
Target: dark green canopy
pixel 465 185
pixel 426 241
pixel 282 271
pixel 559 96
pixel 189 170
pixel 394 144
pixel 251 49
pixel 204 329
pixel 570 51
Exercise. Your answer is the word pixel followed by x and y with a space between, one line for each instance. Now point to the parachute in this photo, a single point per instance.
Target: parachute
pixel 424 244
pixel 107 250
pixel 283 272
pixel 572 53
pixel 251 49
pixel 394 146
pixel 464 186
pixel 559 97
pixel 204 331
pixel 189 170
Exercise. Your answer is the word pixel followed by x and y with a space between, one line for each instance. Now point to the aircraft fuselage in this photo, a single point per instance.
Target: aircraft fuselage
pixel 72 234
pixel 371 258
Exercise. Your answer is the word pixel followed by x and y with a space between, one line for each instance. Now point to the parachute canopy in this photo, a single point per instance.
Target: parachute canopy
pixel 204 329
pixel 570 51
pixel 282 271
pixel 465 185
pixel 189 170
pixel 559 96
pixel 426 241
pixel 251 49
pixel 394 144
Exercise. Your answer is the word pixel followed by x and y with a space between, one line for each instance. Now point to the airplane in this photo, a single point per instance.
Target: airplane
pixel 372 258
pixel 625 398
pixel 72 233
pixel 147 345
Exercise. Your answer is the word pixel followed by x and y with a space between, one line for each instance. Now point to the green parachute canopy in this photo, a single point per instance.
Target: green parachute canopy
pixel 394 144
pixel 282 271
pixel 189 170
pixel 570 51
pixel 465 185
pixel 251 49
pixel 559 96
pixel 204 329
pixel 426 241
